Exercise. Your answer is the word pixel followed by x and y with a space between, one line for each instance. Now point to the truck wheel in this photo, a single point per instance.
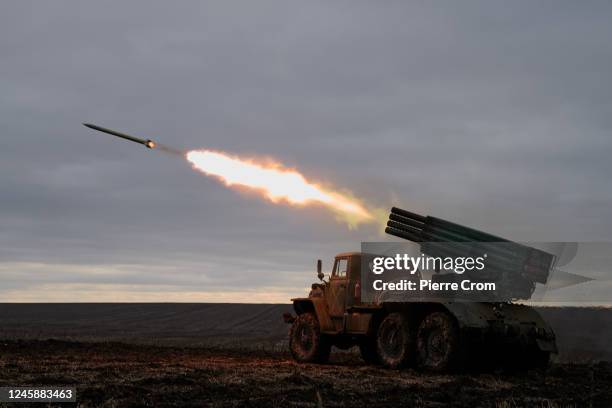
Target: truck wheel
pixel 306 343
pixel 367 348
pixel 395 341
pixel 437 342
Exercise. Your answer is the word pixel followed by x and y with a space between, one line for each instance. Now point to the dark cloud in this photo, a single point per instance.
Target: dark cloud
pixel 497 116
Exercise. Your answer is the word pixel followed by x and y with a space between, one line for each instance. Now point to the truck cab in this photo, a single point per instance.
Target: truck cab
pixel 344 291
pixel 337 300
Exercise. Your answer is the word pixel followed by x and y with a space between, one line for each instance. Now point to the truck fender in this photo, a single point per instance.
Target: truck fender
pixel 472 315
pixel 316 306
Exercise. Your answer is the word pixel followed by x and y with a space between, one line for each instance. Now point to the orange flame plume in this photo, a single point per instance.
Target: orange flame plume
pixel 277 183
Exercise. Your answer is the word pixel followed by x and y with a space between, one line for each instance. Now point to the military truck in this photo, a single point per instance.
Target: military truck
pixel 435 336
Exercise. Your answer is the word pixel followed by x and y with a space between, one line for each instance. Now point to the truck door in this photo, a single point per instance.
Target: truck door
pixel 338 285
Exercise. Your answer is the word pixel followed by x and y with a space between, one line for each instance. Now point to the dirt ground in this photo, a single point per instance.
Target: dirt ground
pixel 124 375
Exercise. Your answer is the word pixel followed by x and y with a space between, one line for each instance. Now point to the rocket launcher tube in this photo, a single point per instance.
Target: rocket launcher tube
pixel 531 263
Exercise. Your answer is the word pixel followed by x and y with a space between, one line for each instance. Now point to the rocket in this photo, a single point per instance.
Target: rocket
pixel 148 142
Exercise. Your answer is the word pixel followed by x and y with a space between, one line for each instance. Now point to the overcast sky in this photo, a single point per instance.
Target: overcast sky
pixel 493 114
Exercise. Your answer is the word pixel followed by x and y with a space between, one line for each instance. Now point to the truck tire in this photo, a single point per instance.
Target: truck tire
pixel 395 341
pixel 438 347
pixel 306 342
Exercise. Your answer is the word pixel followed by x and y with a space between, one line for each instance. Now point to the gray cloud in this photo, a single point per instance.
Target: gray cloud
pixel 496 116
